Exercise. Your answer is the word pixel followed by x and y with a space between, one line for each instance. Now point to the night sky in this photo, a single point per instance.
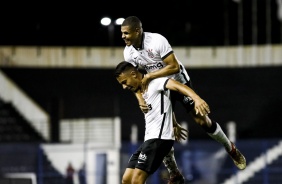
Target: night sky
pixel 184 23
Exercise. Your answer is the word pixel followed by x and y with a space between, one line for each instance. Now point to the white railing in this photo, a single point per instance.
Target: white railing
pixel 105 57
pixel 30 110
pixel 101 132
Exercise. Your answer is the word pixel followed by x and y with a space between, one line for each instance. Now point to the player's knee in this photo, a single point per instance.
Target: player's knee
pixel 200 121
pixel 126 180
pixel 203 121
pixel 137 181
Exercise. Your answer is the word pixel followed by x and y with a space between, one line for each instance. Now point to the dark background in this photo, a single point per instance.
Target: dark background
pixel 251 97
pixel 184 23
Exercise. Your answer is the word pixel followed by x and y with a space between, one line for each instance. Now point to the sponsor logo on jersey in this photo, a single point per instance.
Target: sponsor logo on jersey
pixel 153 66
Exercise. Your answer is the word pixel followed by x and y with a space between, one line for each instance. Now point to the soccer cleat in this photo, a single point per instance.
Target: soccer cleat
pixel 177 179
pixel 237 157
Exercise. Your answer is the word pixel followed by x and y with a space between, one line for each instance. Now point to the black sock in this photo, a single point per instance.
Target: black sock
pixel 211 129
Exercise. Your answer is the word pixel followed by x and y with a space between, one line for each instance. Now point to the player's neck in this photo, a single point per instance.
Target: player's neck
pixel 141 75
pixel 139 42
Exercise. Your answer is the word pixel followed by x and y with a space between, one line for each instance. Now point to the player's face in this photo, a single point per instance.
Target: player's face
pixel 130 36
pixel 129 81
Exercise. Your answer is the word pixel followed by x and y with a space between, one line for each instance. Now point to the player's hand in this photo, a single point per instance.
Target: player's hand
pixel 201 107
pixel 144 108
pixel 145 82
pixel 180 133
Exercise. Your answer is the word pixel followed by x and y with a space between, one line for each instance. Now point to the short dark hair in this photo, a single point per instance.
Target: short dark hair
pixel 132 21
pixel 121 67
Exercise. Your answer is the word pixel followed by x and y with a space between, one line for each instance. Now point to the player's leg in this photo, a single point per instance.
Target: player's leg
pixel 127 176
pixel 171 165
pixel 214 130
pixel 139 176
pixel 130 168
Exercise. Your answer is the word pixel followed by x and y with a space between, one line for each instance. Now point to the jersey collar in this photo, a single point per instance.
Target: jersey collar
pixel 142 42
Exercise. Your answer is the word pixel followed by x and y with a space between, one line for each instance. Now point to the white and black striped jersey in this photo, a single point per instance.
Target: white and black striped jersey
pixel 158 119
pixel 155 48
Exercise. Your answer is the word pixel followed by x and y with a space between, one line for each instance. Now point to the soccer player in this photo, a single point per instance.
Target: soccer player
pixel 153 53
pixel 159 135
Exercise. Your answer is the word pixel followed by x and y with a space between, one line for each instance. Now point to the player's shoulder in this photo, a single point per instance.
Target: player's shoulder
pixel 155 40
pixel 154 35
pixel 128 49
pixel 158 84
pixel 159 80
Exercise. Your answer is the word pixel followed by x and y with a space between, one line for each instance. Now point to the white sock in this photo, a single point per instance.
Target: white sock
pixel 220 137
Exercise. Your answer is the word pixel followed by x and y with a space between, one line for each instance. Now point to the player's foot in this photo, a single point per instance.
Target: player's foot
pixel 237 157
pixel 176 179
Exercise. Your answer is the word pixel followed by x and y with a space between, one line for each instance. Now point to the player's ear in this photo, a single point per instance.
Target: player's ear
pixel 137 30
pixel 133 74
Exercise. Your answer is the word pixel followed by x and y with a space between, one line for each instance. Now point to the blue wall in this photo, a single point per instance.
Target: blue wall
pixel 199 161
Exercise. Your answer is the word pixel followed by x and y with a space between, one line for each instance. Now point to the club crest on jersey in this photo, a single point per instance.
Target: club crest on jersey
pixel 150 53
pixel 142 156
pixel 188 99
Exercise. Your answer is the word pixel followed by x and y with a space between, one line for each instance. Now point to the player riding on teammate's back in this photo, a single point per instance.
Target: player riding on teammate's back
pixel 152 52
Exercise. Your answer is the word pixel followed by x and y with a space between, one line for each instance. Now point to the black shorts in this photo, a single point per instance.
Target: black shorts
pixel 187 102
pixel 149 156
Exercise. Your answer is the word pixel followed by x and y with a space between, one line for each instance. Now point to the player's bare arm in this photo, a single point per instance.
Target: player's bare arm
pixel 142 104
pixel 171 67
pixel 200 105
